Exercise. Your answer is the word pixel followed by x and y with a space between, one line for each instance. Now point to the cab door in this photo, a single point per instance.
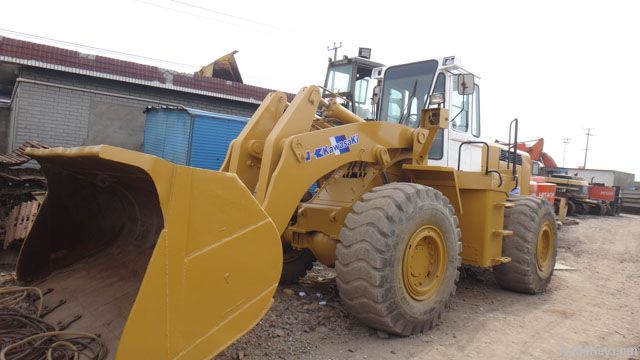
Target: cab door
pixel 438 154
pixel 464 126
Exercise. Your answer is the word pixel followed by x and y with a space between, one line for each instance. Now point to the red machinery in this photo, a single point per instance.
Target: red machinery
pixel 536 153
pixel 602 199
pixel 543 189
pixel 538 184
pixel 602 192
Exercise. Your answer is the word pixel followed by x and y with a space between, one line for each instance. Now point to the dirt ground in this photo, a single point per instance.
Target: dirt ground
pixel 590 311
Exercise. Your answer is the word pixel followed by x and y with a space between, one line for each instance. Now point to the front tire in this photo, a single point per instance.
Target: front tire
pixel 532 247
pixel 398 259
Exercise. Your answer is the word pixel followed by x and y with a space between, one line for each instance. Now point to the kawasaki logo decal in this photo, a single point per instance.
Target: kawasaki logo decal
pixel 340 144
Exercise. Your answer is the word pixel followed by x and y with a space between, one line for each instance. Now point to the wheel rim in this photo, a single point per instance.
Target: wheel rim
pixel 544 248
pixel 424 263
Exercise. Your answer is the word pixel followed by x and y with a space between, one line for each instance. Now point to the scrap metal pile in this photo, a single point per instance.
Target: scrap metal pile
pixel 18 156
pixel 21 192
pixel 26 334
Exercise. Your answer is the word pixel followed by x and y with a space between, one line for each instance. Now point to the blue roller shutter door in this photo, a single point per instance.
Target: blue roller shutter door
pixel 211 138
pixel 166 135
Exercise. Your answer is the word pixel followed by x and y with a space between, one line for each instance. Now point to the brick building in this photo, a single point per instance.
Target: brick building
pixel 62 97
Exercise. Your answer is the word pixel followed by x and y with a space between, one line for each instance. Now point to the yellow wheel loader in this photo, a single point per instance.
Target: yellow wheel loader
pixel 172 262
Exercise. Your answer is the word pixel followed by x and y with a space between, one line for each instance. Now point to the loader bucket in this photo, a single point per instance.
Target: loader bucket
pixel 164 261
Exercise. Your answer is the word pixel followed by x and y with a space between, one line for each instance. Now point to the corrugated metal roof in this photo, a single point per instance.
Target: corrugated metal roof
pixel 5 101
pixel 51 57
pixel 197 112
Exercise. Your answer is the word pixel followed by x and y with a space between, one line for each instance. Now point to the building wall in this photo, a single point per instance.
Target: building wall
pixel 623 179
pixel 4 128
pixel 598 176
pixel 607 177
pixel 59 116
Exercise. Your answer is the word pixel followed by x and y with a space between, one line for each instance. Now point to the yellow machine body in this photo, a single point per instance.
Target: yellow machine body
pixel 208 245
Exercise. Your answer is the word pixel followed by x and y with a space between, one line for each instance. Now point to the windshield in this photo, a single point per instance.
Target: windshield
pixel 405 92
pixel 339 78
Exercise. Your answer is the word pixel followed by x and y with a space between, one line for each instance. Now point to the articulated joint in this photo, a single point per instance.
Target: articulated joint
pixel 321 245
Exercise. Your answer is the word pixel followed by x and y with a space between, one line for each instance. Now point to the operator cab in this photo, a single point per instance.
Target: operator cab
pixel 399 93
pixel 351 79
pixel 409 88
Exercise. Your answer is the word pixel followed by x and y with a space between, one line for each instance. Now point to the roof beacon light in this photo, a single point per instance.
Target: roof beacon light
pixel 364 53
pixel 449 60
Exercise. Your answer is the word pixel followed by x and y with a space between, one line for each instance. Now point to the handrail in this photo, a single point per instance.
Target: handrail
pixel 515 146
pixel 515 150
pixel 486 164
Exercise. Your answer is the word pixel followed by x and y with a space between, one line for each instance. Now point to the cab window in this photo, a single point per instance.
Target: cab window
pixel 339 78
pixel 395 106
pixel 437 147
pixel 475 114
pixel 362 97
pixel 413 117
pixel 405 90
pixel 439 87
pixel 459 109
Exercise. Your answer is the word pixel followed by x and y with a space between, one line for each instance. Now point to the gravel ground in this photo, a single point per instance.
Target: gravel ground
pixel 590 311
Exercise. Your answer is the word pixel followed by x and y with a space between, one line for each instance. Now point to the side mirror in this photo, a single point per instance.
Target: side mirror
pixel 466 84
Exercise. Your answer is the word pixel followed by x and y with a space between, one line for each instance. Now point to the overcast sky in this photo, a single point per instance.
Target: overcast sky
pixel 559 67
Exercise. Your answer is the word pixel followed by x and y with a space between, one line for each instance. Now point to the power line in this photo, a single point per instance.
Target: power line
pixel 565 141
pixel 184 12
pixel 586 149
pixel 225 14
pixel 91 48
pixel 149 3
pixel 334 49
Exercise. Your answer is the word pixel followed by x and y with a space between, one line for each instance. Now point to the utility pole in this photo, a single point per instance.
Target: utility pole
pixel 335 50
pixel 586 149
pixel 565 141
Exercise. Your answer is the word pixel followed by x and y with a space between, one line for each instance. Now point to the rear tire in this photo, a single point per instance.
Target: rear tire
pixel 580 208
pixel 603 209
pixel 398 259
pixel 532 247
pixel 295 265
pixel 570 208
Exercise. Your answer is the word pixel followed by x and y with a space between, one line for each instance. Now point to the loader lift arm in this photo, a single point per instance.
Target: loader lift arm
pixel 293 157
